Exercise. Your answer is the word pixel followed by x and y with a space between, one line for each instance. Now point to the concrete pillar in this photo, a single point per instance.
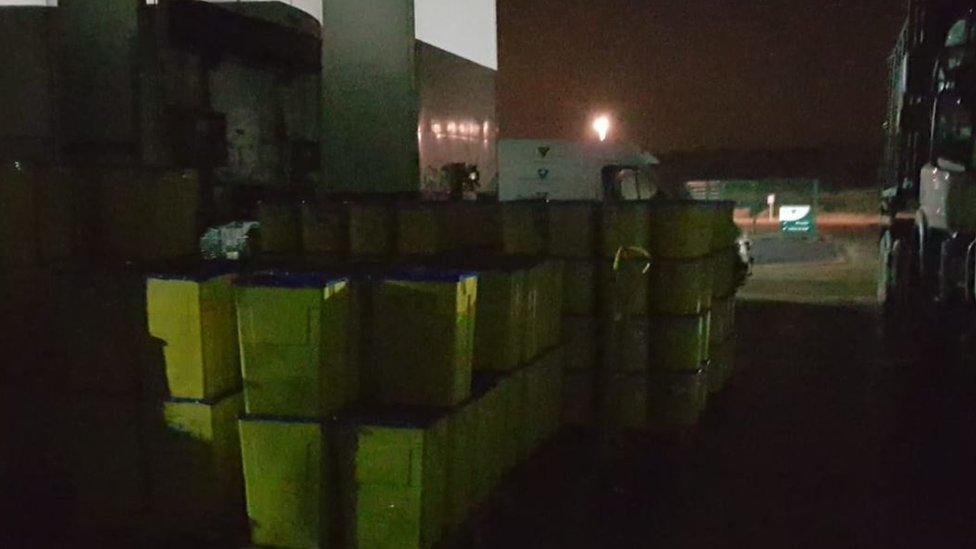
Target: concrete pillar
pixel 370 100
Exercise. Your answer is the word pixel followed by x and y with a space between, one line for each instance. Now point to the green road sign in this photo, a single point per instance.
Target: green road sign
pixel 797 219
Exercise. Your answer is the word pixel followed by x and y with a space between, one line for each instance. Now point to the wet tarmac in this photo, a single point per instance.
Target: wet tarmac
pixel 833 433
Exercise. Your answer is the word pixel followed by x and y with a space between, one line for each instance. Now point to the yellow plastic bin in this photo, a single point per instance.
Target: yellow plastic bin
pixel 500 320
pixel 676 400
pixel 623 401
pixel 681 229
pixel 394 468
pixel 632 286
pixel 578 398
pixel 289 487
pixel 725 265
pixel 624 225
pixel 372 229
pixel 325 228
pixel 679 343
pixel 422 228
pixel 580 288
pixel 724 230
pixel 294 338
pixel 581 337
pixel 423 326
pixel 680 287
pixel 462 462
pixel 573 229
pixel 722 364
pixel 627 347
pixel 281 228
pixel 194 315
pixel 196 471
pixel 522 228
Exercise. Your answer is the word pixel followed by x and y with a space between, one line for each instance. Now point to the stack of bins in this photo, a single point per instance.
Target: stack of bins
pixel 325 229
pixel 679 297
pixel 421 329
pixel 573 237
pixel 196 482
pixel 624 321
pixel 282 227
pixel 726 267
pixel 394 478
pixel 297 374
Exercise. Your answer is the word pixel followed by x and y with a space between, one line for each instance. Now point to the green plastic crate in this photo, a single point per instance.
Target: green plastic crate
pixel 681 229
pixel 581 337
pixel 325 228
pixel 523 415
pixel 624 225
pixel 394 480
pixel 196 472
pixel 423 330
pixel 676 400
pixel 680 287
pixel 372 229
pixel 288 483
pixel 573 229
pixel 195 317
pixel 294 337
pixel 679 343
pixel 500 321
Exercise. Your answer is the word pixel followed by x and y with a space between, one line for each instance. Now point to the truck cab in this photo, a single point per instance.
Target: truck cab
pixel 560 170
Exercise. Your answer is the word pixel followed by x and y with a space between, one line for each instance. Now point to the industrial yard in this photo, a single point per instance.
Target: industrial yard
pixel 450 274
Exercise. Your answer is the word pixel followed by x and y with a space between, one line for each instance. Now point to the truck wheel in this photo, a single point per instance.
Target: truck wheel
pixel 895 274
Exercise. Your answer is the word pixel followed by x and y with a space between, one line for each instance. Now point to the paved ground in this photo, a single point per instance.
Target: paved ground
pixel 833 433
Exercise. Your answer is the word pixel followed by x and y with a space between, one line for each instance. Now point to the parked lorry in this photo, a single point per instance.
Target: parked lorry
pixel 927 252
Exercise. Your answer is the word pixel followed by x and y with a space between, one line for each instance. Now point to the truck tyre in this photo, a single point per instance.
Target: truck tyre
pixel 895 274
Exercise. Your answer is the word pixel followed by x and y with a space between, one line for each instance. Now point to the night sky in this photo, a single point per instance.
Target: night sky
pixel 699 74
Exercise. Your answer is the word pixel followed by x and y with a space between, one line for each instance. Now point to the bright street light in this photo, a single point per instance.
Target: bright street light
pixel 602 127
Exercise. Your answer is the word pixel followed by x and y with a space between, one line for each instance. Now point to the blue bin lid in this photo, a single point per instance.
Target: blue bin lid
pixel 284 279
pixel 430 275
pixel 200 272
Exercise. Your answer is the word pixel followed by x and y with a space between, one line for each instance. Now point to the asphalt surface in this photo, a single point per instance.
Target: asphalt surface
pixel 837 430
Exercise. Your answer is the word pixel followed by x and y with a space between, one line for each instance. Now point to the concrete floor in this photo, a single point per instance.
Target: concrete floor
pixel 823 439
pixel 833 433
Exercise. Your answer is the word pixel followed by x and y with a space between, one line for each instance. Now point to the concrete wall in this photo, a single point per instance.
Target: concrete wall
pixel 27 102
